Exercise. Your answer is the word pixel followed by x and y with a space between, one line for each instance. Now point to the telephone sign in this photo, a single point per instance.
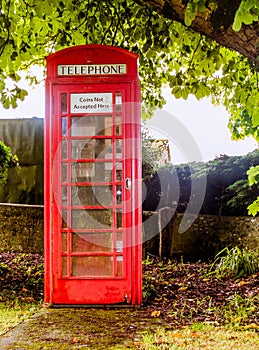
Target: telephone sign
pixel 93 69
pixel 93 177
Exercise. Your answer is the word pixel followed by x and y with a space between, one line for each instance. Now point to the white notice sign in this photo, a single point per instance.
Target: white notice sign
pixel 91 103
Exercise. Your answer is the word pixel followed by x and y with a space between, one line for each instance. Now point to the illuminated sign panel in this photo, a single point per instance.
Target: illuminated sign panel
pixel 92 69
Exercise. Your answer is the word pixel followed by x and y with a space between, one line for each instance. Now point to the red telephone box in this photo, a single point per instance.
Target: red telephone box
pixel 92 177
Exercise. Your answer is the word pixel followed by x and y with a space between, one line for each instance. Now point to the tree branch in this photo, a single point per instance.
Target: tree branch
pixel 215 23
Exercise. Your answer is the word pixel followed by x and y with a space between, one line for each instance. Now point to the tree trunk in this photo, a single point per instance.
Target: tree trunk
pixel 166 218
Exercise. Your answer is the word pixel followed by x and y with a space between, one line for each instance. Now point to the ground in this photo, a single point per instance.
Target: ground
pixel 177 298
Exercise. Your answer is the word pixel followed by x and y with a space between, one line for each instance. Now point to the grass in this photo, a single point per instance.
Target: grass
pixel 199 336
pixel 12 313
pixel 236 262
pixel 239 310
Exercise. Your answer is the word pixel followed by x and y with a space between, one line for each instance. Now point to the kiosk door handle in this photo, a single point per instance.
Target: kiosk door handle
pixel 128 183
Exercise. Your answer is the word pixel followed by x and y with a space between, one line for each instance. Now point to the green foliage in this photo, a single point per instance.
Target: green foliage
pixel 227 188
pixel 170 53
pixel 7 159
pixel 239 310
pixel 242 126
pixel 236 262
pixel 253 175
pixel 192 9
pixel 204 335
pixel 253 208
pixel 152 154
pixel 238 197
pixel 14 312
pixel 21 277
pixel 247 13
pixel 253 178
pixel 227 179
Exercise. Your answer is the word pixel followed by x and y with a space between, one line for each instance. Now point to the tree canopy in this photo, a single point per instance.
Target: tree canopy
pixel 199 47
pixel 227 189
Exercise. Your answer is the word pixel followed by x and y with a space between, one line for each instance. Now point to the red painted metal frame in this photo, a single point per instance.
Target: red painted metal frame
pixel 73 292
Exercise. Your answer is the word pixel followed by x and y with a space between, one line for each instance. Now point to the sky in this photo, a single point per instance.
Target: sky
pixel 196 130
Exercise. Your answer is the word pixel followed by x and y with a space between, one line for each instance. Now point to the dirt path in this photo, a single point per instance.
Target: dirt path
pixel 79 329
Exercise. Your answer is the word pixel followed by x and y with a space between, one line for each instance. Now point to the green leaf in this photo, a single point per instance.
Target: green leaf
pixel 184 93
pixel 253 208
pixel 177 92
pixel 255 117
pixel 190 13
pixel 253 175
pixel 249 18
pixel 237 22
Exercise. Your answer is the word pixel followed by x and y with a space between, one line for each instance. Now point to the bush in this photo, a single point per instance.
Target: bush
pixel 7 159
pixel 21 276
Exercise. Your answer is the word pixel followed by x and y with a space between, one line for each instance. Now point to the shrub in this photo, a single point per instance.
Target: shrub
pixel 7 159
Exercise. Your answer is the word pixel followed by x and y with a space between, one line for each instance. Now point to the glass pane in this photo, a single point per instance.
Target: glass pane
pixel 91 219
pixel 63 103
pixel 83 126
pixel 119 219
pixel 118 148
pixel 89 171
pixel 64 219
pixel 119 246
pixel 119 258
pixel 118 195
pixel 118 171
pixel 92 148
pixel 82 172
pixel 103 171
pixel 92 266
pixel 118 101
pixel 104 149
pixel 64 242
pixel 118 125
pixel 64 126
pixel 108 127
pixel 64 266
pixel 119 266
pixel 64 195
pixel 92 242
pixel 83 149
pixel 64 149
pixel 64 172
pixel 91 195
pixel 91 125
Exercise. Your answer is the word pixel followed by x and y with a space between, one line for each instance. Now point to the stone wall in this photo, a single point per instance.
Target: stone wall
pixel 22 228
pixel 207 236
pixel 25 138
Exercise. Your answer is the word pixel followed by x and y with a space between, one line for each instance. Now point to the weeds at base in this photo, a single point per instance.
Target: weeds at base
pixel 14 312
